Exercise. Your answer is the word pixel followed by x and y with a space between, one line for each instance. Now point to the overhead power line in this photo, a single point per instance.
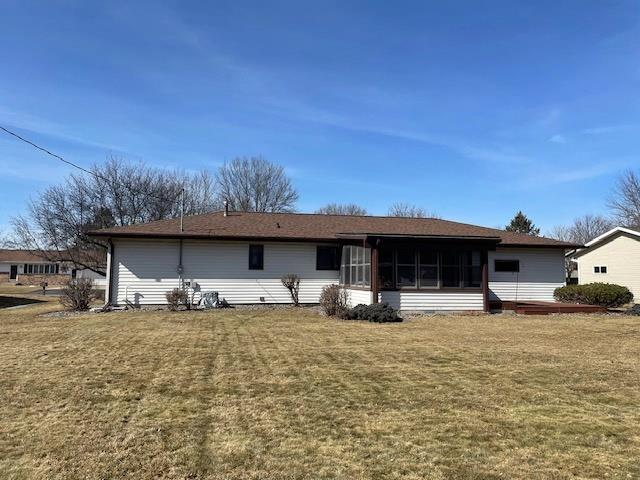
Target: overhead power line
pixel 47 151
pixel 94 174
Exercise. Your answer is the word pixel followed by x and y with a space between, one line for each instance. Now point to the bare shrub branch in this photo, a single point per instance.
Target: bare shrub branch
pixel 342 209
pixel 402 209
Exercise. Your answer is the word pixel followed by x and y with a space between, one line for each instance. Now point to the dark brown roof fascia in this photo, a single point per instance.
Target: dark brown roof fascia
pixel 568 246
pixel 183 236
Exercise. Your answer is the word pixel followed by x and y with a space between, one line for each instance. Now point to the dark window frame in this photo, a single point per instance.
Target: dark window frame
pixel 334 264
pixel 504 263
pixel 474 257
pixel 260 250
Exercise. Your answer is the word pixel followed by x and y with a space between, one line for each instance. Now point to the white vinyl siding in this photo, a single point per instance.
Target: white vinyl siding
pixel 434 301
pixel 541 272
pixel 620 254
pixel 358 296
pixel 145 270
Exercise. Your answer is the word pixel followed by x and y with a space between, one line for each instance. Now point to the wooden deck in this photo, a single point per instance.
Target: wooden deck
pixel 545 308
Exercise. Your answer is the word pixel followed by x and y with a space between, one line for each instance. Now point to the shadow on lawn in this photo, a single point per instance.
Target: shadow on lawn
pixel 6 302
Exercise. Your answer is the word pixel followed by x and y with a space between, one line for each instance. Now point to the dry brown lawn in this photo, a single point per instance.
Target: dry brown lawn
pixel 289 394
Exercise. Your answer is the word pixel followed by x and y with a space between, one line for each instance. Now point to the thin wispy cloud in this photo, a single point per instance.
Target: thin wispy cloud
pixel 558 139
pixel 610 129
pixel 300 111
pixel 578 173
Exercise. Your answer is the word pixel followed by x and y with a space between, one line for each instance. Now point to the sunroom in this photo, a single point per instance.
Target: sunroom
pixel 418 273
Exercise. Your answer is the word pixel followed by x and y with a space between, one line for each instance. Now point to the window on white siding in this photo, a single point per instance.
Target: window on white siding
pixel 256 257
pixel 41 268
pixel 507 265
pixel 355 268
pixel 600 269
pixel 327 257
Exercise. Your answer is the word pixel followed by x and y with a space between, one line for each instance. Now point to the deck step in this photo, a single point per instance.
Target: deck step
pixel 545 308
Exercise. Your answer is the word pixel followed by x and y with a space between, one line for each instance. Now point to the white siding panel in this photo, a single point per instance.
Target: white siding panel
pixel 357 296
pixel 149 270
pixel 541 272
pixel 433 301
pixel 144 271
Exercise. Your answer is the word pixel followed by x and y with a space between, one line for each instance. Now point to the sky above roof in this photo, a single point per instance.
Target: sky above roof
pixel 472 110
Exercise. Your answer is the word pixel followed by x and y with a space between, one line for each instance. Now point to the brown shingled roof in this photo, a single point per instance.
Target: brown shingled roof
pixel 10 255
pixel 306 226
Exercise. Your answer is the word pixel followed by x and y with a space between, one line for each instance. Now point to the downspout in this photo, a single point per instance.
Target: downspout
pixel 109 298
pixel 180 267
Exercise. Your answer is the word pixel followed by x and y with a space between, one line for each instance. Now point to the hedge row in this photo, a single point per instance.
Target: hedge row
pixel 604 294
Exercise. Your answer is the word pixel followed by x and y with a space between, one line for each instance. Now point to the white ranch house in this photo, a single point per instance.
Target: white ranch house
pixel 418 264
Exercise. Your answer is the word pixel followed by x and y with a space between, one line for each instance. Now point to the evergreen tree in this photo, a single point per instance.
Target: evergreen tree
pixel 521 224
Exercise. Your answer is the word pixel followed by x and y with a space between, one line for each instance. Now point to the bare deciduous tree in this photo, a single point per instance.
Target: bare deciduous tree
pixel 401 209
pixel 588 227
pixel 582 230
pixel 255 185
pixel 564 233
pixel 625 201
pixel 117 193
pixel 342 209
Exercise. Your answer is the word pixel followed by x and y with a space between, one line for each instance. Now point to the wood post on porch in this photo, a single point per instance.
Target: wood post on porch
pixel 375 289
pixel 485 281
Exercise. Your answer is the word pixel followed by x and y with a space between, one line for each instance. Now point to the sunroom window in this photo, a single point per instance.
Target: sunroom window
pixel 385 267
pixel 471 269
pixel 429 268
pixel 451 269
pixel 355 267
pixel 406 267
pixel 428 271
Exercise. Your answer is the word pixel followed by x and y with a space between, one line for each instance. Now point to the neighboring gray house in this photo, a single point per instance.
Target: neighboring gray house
pixel 423 264
pixel 613 257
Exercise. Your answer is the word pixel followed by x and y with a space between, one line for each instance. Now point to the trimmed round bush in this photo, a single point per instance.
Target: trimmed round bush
pixel 635 310
pixel 603 294
pixel 377 313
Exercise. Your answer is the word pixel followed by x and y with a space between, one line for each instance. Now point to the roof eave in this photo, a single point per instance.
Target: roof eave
pixel 565 246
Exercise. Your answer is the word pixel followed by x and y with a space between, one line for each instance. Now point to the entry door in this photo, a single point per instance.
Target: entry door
pixel 13 274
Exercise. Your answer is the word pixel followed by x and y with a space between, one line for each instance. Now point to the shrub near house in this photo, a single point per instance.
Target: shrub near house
pixel 604 294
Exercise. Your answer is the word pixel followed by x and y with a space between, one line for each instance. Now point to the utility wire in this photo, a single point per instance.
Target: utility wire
pixel 96 175
pixel 46 151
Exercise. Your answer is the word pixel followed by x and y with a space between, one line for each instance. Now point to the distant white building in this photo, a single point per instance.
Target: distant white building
pixel 613 257
pixel 29 267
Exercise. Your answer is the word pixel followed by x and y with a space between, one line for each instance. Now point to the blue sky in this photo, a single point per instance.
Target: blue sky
pixel 471 109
